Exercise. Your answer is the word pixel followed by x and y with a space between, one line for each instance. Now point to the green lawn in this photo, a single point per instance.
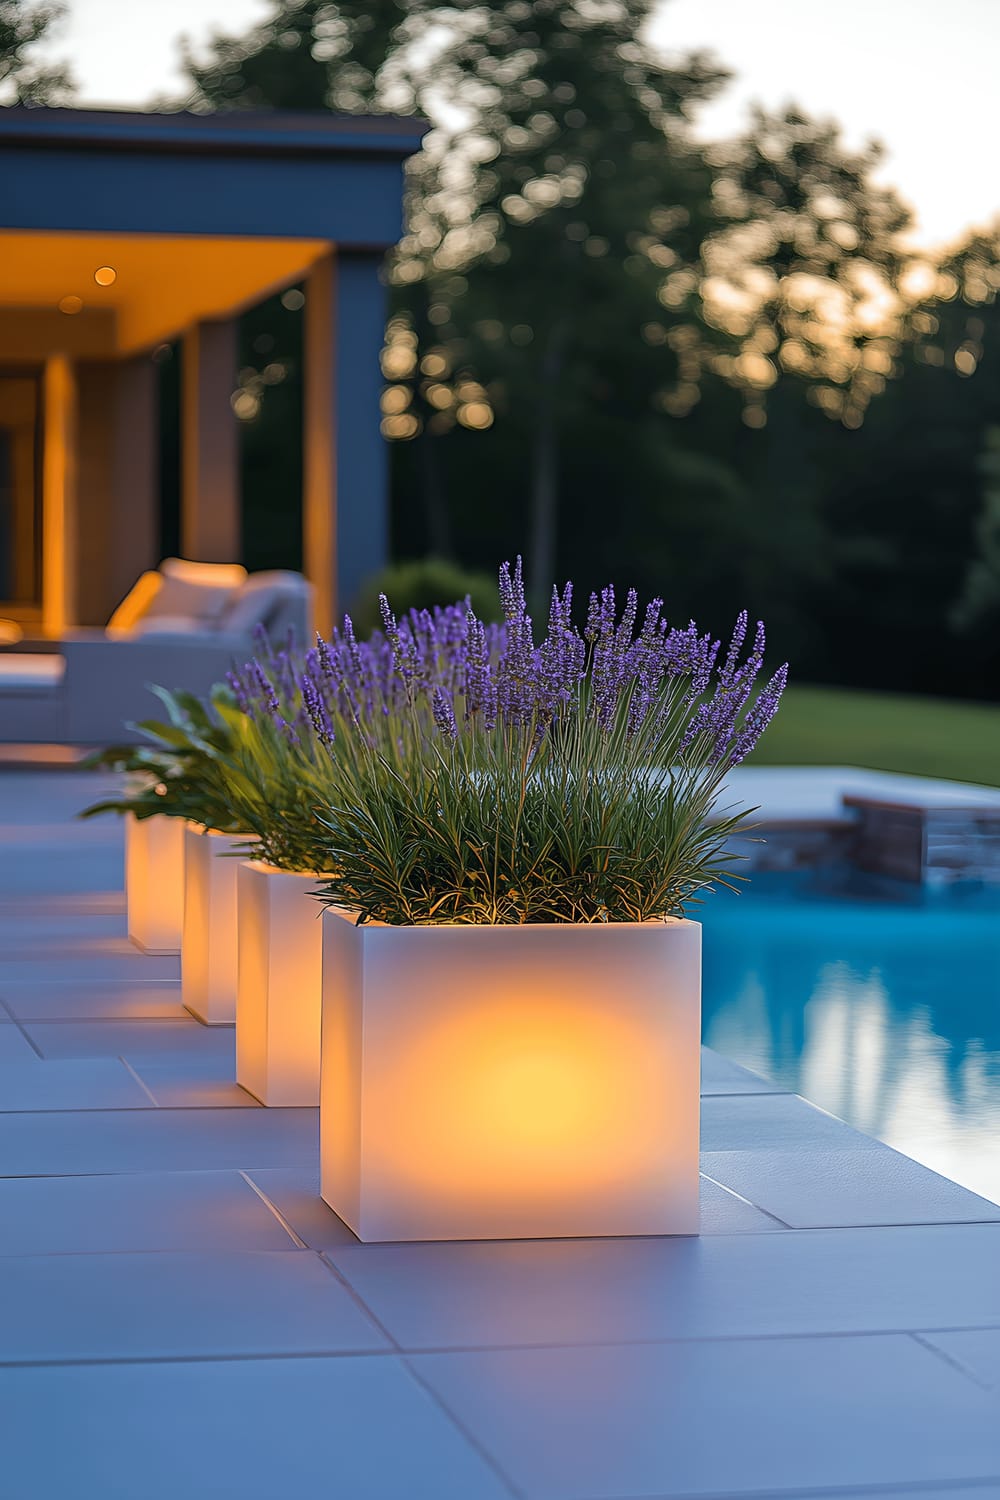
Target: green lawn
pixel 925 736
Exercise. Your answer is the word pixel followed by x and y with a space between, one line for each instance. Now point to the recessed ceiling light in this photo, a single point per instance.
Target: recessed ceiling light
pixel 105 275
pixel 70 304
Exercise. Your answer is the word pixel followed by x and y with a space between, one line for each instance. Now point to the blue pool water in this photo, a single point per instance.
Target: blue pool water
pixel 877 1002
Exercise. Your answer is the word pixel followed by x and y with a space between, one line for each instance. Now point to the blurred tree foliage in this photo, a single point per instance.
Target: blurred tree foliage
pixel 712 370
pixel 24 79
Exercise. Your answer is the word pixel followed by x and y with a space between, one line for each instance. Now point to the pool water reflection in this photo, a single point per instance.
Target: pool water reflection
pixel 876 1002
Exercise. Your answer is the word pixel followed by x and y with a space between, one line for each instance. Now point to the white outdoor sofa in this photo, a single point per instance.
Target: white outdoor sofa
pixel 182 626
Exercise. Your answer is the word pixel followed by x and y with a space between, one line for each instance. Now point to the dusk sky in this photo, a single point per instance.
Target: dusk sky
pixel 914 73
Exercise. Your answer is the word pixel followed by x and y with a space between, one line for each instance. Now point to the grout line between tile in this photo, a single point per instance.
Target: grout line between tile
pixel 144 1086
pixel 27 1037
pixel 949 1359
pixel 299 1243
pixel 748 1201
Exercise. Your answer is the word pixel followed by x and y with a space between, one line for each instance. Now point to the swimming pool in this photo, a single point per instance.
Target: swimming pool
pixel 878 1002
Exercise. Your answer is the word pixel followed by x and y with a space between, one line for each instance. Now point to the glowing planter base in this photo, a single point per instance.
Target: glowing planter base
pixel 511 1082
pixel 279 993
pixel 208 939
pixel 154 882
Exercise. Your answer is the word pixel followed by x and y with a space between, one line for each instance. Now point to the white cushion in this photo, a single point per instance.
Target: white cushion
pixel 199 592
pixel 259 600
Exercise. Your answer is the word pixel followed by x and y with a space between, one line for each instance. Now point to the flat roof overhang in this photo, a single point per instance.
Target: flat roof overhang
pixel 162 284
pixel 308 176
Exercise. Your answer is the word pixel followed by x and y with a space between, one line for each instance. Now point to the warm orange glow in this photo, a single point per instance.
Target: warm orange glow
pixel 154 882
pixel 279 991
pixel 208 931
pixel 59 497
pixel 70 305
pixel 484 1083
pixel 156 285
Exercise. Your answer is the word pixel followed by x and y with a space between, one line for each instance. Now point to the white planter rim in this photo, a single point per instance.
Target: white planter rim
pixel 652 924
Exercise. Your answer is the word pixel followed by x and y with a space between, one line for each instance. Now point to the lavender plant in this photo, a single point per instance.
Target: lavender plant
pixel 477 777
pixel 301 713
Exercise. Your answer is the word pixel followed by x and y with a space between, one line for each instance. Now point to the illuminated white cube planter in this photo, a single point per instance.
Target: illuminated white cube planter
pixel 208 937
pixel 511 1082
pixel 154 882
pixel 279 994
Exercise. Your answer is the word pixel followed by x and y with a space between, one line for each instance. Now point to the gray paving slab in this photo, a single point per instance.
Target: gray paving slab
pixel 719 1286
pixel 70 1216
pixel 157 1140
pixel 76 870
pixel 977 1350
pixel 152 1039
pixel 295 1193
pixel 846 1188
pixel 167 1306
pixel 14 1045
pixel 719 1075
pixel 775 1122
pixel 25 931
pixel 361 1429
pixel 88 1083
pixel 765 1417
pixel 179 1085
pixel 67 1000
pixel 103 961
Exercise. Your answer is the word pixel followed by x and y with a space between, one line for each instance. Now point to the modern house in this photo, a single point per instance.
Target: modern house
pixel 120 232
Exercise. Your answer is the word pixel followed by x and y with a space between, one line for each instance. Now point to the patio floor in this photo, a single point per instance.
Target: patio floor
pixel 181 1316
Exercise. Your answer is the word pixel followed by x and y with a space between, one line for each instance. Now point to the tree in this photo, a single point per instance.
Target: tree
pixel 308 54
pixel 23 78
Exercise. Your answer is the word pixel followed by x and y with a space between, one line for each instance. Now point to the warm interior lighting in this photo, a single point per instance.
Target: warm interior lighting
pixel 482 1083
pixel 70 305
pixel 59 520
pixel 154 284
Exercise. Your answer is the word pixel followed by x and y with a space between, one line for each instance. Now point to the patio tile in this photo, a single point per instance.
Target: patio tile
pixel 723 1212
pixel 14 1046
pixel 721 1286
pixel 294 1191
pixel 157 1140
pixel 100 961
pixel 21 932
pixel 59 1308
pixel 252 1429
pixel 90 1083
pixel 69 1216
pixel 64 1000
pixel 977 1349
pixel 37 873
pixel 811 1190
pixel 153 1039
pixel 191 1083
pixel 761 1417
pixel 775 1122
pixel 721 1076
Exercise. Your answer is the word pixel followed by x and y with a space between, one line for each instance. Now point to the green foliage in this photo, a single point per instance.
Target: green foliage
pixel 420 584
pixel 180 773
pixel 23 80
pixel 496 838
pixel 887 731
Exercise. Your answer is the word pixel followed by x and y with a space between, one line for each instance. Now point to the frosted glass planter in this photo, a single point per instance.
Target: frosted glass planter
pixel 154 882
pixel 280 985
pixel 511 1082
pixel 208 938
